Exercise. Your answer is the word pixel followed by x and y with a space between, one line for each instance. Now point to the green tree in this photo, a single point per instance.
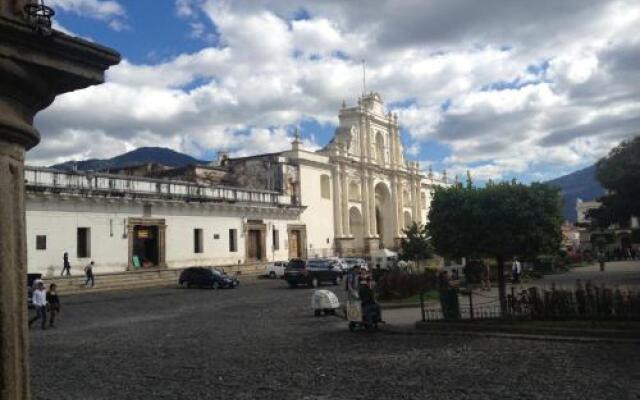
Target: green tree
pixel 500 221
pixel 619 173
pixel 417 245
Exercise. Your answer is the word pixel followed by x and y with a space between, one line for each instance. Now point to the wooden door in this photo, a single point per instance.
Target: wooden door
pixel 294 244
pixel 255 248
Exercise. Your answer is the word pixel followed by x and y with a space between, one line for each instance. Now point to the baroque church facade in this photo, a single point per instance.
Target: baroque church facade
pixel 352 197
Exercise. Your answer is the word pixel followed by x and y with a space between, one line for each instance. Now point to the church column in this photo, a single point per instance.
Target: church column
pixel 392 143
pixel 416 216
pixel 346 228
pixel 337 203
pixel 372 207
pixel 399 210
pixel 33 70
pixel 363 140
pixel 364 189
pixel 394 206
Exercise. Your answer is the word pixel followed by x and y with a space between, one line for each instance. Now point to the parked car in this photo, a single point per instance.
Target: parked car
pixel 352 262
pixel 31 279
pixel 275 269
pixel 206 277
pixel 312 272
pixel 340 263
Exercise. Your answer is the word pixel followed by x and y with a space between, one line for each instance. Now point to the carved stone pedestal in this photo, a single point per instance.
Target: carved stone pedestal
pixel 372 244
pixel 33 70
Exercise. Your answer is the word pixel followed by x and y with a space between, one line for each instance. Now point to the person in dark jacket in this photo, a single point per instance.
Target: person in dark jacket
pixel 370 309
pixel 54 303
pixel 88 271
pixel 66 267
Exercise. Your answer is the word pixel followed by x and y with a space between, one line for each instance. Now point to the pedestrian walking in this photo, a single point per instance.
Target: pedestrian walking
pixel 88 271
pixel 54 303
pixel 66 267
pixel 516 270
pixel 39 299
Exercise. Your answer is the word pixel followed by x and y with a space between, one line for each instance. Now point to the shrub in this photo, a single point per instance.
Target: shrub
pixel 396 285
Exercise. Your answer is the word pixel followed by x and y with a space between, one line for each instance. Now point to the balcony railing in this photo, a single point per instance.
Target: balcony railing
pixel 86 183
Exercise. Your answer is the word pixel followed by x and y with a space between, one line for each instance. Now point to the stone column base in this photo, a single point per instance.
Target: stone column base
pixel 344 245
pixel 371 244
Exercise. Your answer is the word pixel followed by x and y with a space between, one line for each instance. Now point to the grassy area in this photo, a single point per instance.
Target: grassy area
pixel 431 295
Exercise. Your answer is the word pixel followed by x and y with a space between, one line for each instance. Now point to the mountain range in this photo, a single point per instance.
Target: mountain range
pixel 580 184
pixel 142 155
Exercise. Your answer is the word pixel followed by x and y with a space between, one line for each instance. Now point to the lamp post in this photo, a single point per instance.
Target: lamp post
pixel 36 64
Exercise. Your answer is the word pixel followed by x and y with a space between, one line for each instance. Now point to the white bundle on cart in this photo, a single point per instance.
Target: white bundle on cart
pixel 324 301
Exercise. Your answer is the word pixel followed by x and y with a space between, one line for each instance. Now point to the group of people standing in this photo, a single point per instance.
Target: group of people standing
pixel 44 301
pixel 88 270
pixel 360 288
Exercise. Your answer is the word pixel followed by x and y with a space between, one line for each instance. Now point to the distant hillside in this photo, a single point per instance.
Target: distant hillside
pixel 142 155
pixel 580 184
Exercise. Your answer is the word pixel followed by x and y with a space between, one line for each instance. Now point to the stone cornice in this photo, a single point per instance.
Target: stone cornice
pixel 292 211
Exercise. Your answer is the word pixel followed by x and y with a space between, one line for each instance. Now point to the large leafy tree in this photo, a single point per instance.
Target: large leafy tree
pixel 619 173
pixel 498 221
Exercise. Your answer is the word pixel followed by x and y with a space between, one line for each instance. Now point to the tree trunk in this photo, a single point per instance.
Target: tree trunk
pixel 502 292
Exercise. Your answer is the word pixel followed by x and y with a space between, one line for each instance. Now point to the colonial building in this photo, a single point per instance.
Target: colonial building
pixel 353 196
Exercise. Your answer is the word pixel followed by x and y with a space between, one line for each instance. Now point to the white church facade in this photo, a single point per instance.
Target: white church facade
pixel 352 197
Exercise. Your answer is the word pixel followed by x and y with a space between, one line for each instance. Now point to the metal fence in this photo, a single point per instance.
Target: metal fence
pixel 590 303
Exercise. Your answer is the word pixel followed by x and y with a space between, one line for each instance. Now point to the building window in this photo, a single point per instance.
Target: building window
pixel 233 240
pixel 41 242
pixel 325 187
pixel 276 239
pixel 84 242
pixel 197 241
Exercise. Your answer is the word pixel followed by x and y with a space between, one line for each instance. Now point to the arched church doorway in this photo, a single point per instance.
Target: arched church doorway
pixel 357 229
pixel 384 214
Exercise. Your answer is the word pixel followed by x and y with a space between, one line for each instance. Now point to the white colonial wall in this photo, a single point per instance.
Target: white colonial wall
pixel 318 215
pixel 58 218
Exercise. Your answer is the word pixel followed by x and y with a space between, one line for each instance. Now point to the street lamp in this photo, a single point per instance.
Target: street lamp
pixel 39 16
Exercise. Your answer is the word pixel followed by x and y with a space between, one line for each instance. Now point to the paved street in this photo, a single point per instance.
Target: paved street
pixel 261 341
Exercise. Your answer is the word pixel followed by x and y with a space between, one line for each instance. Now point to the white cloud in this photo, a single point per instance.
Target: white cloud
pixel 508 88
pixel 106 10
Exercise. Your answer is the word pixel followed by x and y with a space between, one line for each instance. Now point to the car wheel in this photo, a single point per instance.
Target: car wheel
pixel 272 275
pixel 315 282
pixel 185 284
pixel 337 280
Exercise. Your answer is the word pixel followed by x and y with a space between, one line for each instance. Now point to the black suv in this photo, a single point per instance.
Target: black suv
pixel 206 277
pixel 312 272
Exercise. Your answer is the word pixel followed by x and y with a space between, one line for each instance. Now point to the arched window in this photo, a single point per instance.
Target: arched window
pixel 354 191
pixel 380 156
pixel 325 187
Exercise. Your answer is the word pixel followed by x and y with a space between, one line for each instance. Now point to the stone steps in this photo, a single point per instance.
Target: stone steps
pixel 139 279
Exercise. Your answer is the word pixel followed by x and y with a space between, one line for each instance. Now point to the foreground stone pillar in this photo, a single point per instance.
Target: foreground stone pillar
pixel 33 70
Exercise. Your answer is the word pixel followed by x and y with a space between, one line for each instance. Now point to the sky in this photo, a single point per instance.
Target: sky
pixel 506 89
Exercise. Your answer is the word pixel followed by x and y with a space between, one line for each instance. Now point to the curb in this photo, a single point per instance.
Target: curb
pixel 390 330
